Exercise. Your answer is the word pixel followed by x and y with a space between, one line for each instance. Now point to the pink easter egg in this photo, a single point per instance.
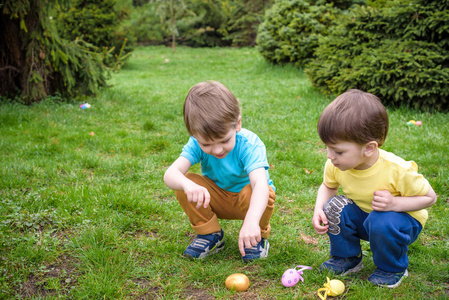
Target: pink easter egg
pixel 418 123
pixel 290 278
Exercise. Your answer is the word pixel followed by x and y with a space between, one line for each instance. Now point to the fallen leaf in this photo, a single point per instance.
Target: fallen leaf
pixel 307 171
pixel 308 239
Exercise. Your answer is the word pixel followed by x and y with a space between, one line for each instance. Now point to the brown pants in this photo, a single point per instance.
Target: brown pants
pixel 223 205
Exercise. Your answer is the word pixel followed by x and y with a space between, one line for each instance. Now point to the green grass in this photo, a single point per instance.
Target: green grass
pixel 85 213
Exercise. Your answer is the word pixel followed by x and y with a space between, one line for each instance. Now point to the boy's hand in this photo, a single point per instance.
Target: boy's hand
pixel 383 201
pixel 197 193
pixel 249 236
pixel 319 222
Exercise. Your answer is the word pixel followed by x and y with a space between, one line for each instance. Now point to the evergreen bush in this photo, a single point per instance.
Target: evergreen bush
pixel 145 24
pixel 399 52
pixel 198 23
pixel 35 62
pixel 244 17
pixel 291 28
pixel 96 22
pixel 202 27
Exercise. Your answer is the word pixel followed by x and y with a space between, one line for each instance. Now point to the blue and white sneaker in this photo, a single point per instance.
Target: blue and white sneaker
pixel 205 245
pixel 258 251
pixel 343 266
pixel 387 279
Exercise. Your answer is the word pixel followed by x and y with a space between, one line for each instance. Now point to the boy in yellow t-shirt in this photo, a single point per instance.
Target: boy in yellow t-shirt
pixel 385 196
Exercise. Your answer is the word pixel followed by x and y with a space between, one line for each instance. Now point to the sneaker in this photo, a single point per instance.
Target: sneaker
pixel 387 279
pixel 343 266
pixel 205 245
pixel 258 251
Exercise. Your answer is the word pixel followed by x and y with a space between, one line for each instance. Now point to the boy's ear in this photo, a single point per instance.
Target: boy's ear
pixel 371 148
pixel 238 126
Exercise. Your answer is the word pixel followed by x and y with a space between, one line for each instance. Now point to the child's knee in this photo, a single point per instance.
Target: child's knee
pixel 334 212
pixel 197 178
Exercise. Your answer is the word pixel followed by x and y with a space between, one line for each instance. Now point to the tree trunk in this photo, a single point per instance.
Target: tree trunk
pixel 12 57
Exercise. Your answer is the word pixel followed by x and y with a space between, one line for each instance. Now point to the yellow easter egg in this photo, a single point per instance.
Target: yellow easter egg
pixel 336 287
pixel 237 281
pixel 412 121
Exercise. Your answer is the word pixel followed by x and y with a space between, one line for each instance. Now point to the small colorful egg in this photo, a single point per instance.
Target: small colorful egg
pixel 418 123
pixel 331 288
pixel 85 105
pixel 238 282
pixel 336 287
pixel 291 277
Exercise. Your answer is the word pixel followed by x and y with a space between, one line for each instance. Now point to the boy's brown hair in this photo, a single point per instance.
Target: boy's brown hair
pixel 210 110
pixel 354 116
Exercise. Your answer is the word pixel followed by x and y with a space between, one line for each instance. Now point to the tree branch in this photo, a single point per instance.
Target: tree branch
pixel 11 68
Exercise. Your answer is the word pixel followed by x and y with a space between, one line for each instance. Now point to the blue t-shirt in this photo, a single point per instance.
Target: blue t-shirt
pixel 231 172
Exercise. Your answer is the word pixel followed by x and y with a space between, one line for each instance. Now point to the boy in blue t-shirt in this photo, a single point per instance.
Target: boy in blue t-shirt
pixel 234 183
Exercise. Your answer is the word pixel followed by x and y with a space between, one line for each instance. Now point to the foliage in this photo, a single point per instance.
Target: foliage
pixel 198 23
pixel 291 29
pixel 244 18
pixel 97 22
pixel 170 11
pixel 399 53
pixel 202 29
pixel 35 62
pixel 139 3
pixel 145 24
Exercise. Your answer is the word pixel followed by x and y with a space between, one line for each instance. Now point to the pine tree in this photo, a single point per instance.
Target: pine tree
pixel 35 62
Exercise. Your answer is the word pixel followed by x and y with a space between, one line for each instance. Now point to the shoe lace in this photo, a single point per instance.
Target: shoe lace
pixel 255 248
pixel 200 242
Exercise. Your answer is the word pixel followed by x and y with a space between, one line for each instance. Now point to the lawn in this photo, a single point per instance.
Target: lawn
pixel 85 214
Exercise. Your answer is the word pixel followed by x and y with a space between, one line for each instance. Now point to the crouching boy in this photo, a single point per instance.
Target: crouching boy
pixel 234 182
pixel 384 197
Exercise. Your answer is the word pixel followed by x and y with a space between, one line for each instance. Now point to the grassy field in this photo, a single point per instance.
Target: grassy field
pixel 84 212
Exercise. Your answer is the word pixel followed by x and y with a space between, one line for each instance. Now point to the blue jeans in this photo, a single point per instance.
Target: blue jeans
pixel 389 235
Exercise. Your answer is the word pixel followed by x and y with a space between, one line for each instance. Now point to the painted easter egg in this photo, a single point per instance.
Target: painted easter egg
pixel 290 278
pixel 238 282
pixel 336 287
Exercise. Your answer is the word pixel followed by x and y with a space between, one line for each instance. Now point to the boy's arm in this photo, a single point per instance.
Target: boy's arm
pixel 319 220
pixel 250 231
pixel 385 201
pixel 175 179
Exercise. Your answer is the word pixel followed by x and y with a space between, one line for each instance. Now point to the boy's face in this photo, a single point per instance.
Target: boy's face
pixel 348 155
pixel 221 147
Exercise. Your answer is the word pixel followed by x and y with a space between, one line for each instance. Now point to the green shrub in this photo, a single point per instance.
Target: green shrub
pixel 399 53
pixel 97 22
pixel 201 28
pixel 197 23
pixel 244 17
pixel 36 62
pixel 145 24
pixel 290 31
pixel 79 70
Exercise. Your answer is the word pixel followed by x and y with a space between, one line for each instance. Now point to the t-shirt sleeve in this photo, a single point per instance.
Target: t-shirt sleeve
pixel 329 176
pixel 411 183
pixel 255 157
pixel 192 151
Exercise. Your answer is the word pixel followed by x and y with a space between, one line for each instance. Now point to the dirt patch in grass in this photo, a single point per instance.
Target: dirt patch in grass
pixel 54 279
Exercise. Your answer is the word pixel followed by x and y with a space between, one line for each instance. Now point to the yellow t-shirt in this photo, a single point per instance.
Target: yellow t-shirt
pixel 390 172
